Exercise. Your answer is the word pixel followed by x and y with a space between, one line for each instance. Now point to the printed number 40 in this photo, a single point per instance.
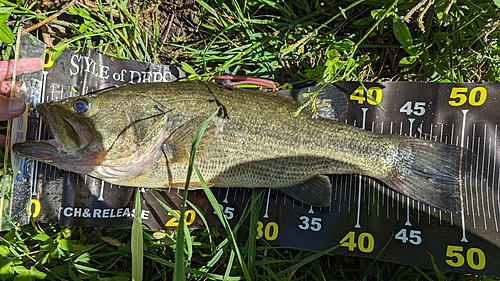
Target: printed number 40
pixel 373 97
pixel 365 242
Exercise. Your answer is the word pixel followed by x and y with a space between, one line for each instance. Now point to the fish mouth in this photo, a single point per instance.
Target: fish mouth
pixel 69 133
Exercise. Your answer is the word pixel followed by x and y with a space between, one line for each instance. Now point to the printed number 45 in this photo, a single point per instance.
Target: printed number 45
pixel 416 108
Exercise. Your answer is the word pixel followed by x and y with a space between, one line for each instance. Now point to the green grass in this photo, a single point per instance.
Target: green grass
pixel 452 41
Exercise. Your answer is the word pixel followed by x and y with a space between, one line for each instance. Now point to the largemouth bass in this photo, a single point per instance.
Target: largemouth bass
pixel 141 135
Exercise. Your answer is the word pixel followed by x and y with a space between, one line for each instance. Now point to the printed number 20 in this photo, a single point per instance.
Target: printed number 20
pixel 476 97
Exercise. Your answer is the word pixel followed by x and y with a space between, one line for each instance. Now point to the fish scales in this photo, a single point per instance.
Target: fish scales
pixel 261 127
pixel 141 135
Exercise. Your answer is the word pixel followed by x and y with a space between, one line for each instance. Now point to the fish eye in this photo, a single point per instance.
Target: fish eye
pixel 81 105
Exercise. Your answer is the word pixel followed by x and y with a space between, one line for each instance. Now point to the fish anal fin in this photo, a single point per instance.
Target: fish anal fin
pixel 177 146
pixel 315 191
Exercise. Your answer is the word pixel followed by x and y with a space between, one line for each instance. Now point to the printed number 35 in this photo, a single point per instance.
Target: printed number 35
pixel 313 223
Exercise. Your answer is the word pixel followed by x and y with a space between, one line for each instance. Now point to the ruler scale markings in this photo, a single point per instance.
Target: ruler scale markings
pixel 498 192
pixel 419 130
pixel 243 191
pixel 452 132
pixel 363 120
pixel 487 184
pixel 411 120
pixel 398 195
pixel 397 206
pixel 339 200
pixel 344 192
pixel 34 191
pixel 359 205
pixel 266 213
pixel 418 212
pixel 377 188
pixel 462 214
pixel 473 138
pixel 482 180
pixel 493 178
pixel 468 183
pixel 336 191
pixel 366 196
pixel 429 209
pixel 482 177
pixel 225 198
pixel 407 223
pixel 101 192
pixel 477 178
pixel 351 196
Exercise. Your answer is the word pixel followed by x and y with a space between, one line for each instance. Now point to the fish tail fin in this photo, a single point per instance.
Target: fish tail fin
pixel 432 173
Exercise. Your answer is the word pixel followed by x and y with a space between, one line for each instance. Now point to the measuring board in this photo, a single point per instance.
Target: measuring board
pixel 365 216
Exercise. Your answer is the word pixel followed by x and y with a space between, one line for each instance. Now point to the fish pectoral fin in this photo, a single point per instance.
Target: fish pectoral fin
pixel 178 146
pixel 315 191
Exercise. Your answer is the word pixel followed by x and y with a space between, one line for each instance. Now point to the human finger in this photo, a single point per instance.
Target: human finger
pixel 24 65
pixel 5 87
pixel 10 108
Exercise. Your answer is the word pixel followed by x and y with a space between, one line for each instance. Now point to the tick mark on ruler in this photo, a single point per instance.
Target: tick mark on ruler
pixel 408 223
pixel 359 204
pixel 225 199
pixel 464 118
pixel 411 120
pixel 266 214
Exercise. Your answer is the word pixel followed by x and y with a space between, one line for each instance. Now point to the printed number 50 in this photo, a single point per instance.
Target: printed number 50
pixel 476 97
pixel 474 256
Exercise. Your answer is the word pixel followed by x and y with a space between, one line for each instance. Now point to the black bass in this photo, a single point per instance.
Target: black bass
pixel 141 135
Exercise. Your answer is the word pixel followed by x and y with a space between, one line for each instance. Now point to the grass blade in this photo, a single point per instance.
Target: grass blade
pixel 137 243
pixel 179 272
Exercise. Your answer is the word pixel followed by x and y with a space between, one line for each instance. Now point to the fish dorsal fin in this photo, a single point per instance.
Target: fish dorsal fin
pixel 315 191
pixel 177 146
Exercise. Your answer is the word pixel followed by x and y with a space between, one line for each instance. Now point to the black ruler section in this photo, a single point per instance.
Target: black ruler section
pixel 366 217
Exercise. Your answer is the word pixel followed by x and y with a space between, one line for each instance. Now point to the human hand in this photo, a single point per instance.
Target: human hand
pixel 12 107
